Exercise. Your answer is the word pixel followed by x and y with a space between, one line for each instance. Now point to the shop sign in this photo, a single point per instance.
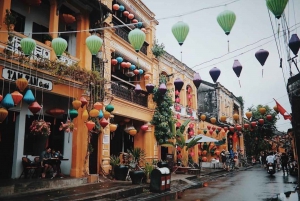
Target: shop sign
pixel 13 75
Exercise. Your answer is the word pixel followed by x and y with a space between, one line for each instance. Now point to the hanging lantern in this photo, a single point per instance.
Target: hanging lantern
pixel 276 7
pixel 113 127
pixel 262 55
pixel 269 117
pixel 1 98
pixel 34 107
pixel 85 115
pixel 180 31
pixel 226 20
pixel 76 104
pixel 132 67
pixel 239 128
pixel 119 59
pixel 208 127
pixel 106 114
pixel 109 108
pixel 253 124
pixel 132 132
pixel 261 121
pixel 204 159
pixel 138 89
pixel 114 62
pixel 177 100
pixel 3 114
pixel 67 18
pixel 126 13
pixel 17 97
pixel 146 76
pixel 27 45
pixel 223 118
pixel 249 115
pixel 8 101
pixel 103 122
pixel 215 73
pixel 211 132
pixel 231 128
pixel 213 120
pixel 149 88
pixel 136 72
pixel 262 110
pixel 197 80
pixel 225 129
pixel 21 83
pixel 136 38
pixel 32 2
pixel 275 109
pixel 94 113
pixel 246 126
pixel 94 43
pixel 28 97
pixel 134 21
pixel 141 71
pixel 130 16
pixel 213 128
pixel 116 7
pixel 139 25
pixel 126 120
pixel 294 44
pixel 73 113
pixel 162 89
pixel 178 84
pixel 205 131
pixel 129 74
pixel 90 125
pixel 144 127
pixel 236 117
pixel 177 93
pixel 237 68
pixel 55 112
pixel 59 46
pixel 98 106
pixel 121 8
pixel 83 101
pixel 178 115
pixel 203 117
pixel 100 116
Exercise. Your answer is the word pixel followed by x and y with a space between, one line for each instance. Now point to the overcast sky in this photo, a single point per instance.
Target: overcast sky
pixel 206 40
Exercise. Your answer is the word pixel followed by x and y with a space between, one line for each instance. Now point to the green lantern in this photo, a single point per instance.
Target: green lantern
pixel 205 131
pixel 94 44
pixel 109 108
pixel 276 6
pixel 59 46
pixel 27 45
pixel 180 30
pixel 73 113
pixel 226 20
pixel 136 38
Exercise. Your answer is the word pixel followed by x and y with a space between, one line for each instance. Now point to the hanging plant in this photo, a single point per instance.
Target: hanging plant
pixel 40 127
pixel 67 127
pixel 158 49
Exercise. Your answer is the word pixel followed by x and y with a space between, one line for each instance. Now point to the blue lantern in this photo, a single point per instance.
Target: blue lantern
pixel 28 97
pixel 120 60
pixel 8 101
pixel 100 116
pixel 121 9
pixel 141 71
pixel 139 24
pixel 132 67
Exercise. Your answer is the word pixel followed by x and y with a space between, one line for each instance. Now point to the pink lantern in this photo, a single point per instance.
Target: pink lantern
pixel 177 93
pixel 125 13
pixel 189 90
pixel 211 132
pixel 213 128
pixel 225 129
pixel 191 125
pixel 178 124
pixel 178 116
pixel 135 21
pixel 177 100
pixel 192 154
pixel 177 108
pixel 208 127
pixel 190 103
pixel 189 96
pixel 144 127
pixel 130 16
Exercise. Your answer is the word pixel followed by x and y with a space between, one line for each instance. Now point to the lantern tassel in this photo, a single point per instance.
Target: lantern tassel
pixel 228 45
pixel 262 72
pixel 240 84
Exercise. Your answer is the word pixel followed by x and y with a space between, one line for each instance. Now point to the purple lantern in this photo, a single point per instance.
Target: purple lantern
pixel 237 67
pixel 162 88
pixel 178 84
pixel 294 44
pixel 150 88
pixel 214 73
pixel 197 80
pixel 262 55
pixel 138 89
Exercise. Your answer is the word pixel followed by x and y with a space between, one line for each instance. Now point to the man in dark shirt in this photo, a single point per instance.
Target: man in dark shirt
pixel 45 162
pixel 284 162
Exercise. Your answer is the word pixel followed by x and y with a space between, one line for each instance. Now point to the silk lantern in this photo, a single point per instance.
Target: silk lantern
pixel 103 122
pixel 94 113
pixel 83 101
pixel 28 97
pixel 17 97
pixel 178 84
pixel 226 20
pixel 109 108
pixel 276 7
pixel 7 101
pixel 85 115
pixel 98 106
pixel 180 31
pixel 27 45
pixel 34 107
pixel 150 88
pixel 162 89
pixel 94 43
pixel 90 125
pixel 106 114
pixel 138 89
pixel 100 116
pixel 113 127
pixel 136 38
pixel 73 113
pixel 59 46
pixel 215 73
pixel 3 114
pixel 144 127
pixel 76 104
pixel 197 80
pixel 21 83
pixel 294 44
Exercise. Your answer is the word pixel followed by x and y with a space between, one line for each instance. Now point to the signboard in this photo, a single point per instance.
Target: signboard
pixel 105 139
pixel 13 75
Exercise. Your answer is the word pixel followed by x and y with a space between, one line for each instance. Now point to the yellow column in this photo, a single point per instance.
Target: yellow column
pixel 3 6
pixel 149 141
pixel 53 24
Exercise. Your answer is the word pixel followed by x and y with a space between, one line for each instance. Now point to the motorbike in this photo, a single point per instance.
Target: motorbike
pixel 293 168
pixel 270 168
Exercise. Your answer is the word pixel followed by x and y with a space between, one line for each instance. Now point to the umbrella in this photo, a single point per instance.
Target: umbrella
pixel 202 138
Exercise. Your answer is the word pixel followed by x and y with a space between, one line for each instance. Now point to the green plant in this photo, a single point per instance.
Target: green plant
pixel 148 168
pixel 158 49
pixel 138 154
pixel 114 160
pixel 10 18
pixel 47 37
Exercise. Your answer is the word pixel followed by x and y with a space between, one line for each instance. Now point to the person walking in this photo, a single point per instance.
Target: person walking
pixel 284 162
pixel 223 159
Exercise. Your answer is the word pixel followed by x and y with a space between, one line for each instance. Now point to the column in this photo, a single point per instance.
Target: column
pixel 149 143
pixel 53 24
pixel 3 6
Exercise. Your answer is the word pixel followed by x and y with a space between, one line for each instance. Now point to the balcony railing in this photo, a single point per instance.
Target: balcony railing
pixel 123 92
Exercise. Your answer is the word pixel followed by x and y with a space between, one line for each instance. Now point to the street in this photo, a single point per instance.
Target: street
pixel 252 184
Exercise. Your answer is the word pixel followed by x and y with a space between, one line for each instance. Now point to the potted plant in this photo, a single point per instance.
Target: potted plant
pixel 137 156
pixel 148 170
pixel 114 162
pixel 47 39
pixel 68 127
pixel 10 20
pixel 39 130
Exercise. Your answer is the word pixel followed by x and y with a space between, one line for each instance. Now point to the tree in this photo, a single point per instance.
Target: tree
pixel 256 138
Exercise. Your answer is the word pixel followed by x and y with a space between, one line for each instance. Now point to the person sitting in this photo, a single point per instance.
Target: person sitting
pixel 57 163
pixel 45 162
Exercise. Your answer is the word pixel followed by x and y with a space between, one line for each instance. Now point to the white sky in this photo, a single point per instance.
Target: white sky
pixel 206 40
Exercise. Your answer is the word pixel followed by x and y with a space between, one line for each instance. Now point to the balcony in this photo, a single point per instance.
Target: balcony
pixel 125 93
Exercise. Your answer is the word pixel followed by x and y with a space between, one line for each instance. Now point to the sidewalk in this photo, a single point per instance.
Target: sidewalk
pixel 106 189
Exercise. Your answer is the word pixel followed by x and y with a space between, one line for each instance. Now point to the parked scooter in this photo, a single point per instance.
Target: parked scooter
pixel 293 168
pixel 270 168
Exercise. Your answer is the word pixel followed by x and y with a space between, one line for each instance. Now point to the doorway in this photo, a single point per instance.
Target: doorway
pixel 93 158
pixel 120 141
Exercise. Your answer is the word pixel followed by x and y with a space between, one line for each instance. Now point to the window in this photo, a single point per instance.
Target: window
pixel 37 28
pixel 19 26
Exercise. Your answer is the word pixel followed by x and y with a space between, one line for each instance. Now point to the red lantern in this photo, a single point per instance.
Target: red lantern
pixel 103 122
pixel 83 101
pixel 144 127
pixel 178 116
pixel 90 125
pixel 269 117
pixel 192 154
pixel 246 126
pixel 98 106
pixel 199 153
pixel 253 124
pixel 179 156
pixel 177 100
pixel 230 136
pixel 177 108
pixel 225 129
pixel 231 128
pixel 128 64
pixel 191 125
pixel 261 121
pixel 124 65
pixel 125 13
pixel 135 21
pixel 116 7
pixel 204 152
pixel 136 72
pixel 189 96
pixel 177 93
pixel 1 98
pixel 34 107
pixel 191 133
pixel 33 2
pixel 213 128
pixel 17 97
pixel 67 18
pixel 189 90
pixel 55 112
pixel 239 128
pixel 178 148
pixel 130 16
pixel 114 62
pixel 211 132
pixel 190 103
pixel 208 127
pixel 178 124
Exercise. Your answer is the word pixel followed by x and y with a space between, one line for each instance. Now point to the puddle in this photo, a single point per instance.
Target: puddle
pixel 288 196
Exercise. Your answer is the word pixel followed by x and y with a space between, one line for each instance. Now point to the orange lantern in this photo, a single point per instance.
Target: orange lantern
pixel 98 106
pixel 203 117
pixel 106 114
pixel 132 132
pixel 94 113
pixel 76 104
pixel 135 21
pixel 262 110
pixel 85 115
pixel 124 64
pixel 130 16
pixel 236 117
pixel 146 76
pixel 116 7
pixel 113 127
pixel 67 18
pixel 22 83
pixel 90 125
pixel 3 114
pixel 17 97
pixel 213 120
pixel 275 109
pixel 125 13
pixel 249 114
pixel 205 184
pixel 34 107
pixel 223 118
pixel 55 112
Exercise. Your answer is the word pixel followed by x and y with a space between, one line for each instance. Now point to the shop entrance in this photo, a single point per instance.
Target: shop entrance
pixel 7 138
pixel 93 164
